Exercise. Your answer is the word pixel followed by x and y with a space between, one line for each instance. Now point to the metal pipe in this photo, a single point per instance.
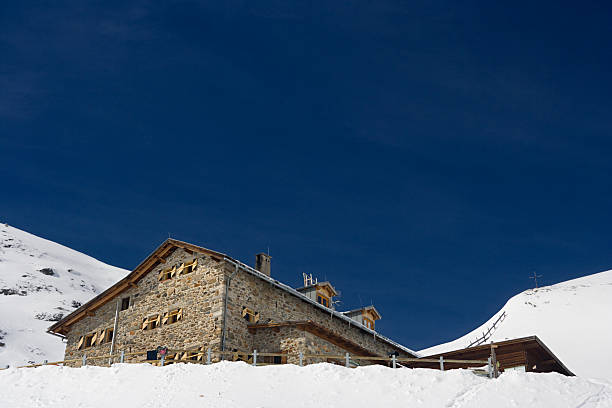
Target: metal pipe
pixel 112 348
pixel 58 335
pixel 224 327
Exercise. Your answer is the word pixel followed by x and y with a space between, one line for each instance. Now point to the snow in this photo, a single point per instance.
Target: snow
pixel 572 318
pixel 40 281
pixel 240 385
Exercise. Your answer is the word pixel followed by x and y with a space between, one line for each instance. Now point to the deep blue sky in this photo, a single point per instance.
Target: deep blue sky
pixel 426 156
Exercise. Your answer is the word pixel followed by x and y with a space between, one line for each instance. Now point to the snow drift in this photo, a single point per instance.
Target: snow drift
pixel 40 282
pixel 572 318
pixel 320 385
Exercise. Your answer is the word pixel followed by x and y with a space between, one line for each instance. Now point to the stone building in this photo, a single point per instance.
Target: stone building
pixel 186 297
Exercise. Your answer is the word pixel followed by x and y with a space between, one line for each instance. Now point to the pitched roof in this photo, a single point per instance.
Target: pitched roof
pixel 507 350
pixel 319 284
pixel 155 258
pixel 362 309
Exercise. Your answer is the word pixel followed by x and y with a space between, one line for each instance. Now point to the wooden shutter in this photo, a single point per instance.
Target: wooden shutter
pixel 244 311
pixel 80 343
pixel 165 319
pixel 102 336
pixel 144 323
pixel 173 272
pixel 194 264
pixel 158 321
pixel 160 277
pixel 93 339
pixel 179 316
pixel 180 269
pixel 256 318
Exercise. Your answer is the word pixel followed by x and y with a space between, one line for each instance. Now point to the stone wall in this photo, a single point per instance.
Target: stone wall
pixel 199 294
pixel 277 305
pixel 293 340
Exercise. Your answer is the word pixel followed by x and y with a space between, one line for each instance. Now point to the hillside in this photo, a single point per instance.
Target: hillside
pixel 572 318
pixel 41 281
pixel 320 385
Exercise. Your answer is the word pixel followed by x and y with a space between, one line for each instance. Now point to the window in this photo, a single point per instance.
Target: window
pixel 90 340
pixel 125 303
pixel 105 336
pixel 151 322
pixel 368 323
pixel 166 274
pixel 324 300
pixel 173 316
pixel 249 315
pixel 189 267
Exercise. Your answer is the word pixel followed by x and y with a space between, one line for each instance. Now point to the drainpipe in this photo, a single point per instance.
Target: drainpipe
pixel 110 358
pixel 224 329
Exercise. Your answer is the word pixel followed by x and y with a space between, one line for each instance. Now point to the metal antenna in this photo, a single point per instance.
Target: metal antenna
pixel 535 278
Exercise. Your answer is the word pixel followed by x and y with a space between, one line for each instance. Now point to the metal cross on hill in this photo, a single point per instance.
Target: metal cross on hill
pixel 535 278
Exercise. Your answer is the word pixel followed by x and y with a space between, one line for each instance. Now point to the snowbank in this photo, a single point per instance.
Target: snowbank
pixel 240 385
pixel 572 318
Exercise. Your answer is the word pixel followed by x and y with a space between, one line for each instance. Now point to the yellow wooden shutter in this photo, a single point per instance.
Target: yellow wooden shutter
pixel 194 264
pixel 244 311
pixel 161 275
pixel 80 343
pixel 256 319
pixel 179 316
pixel 180 269
pixel 93 339
pixel 102 336
pixel 165 319
pixel 157 321
pixel 144 323
pixel 173 272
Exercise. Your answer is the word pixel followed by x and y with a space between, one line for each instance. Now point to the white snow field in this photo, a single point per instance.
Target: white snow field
pixel 41 281
pixel 321 385
pixel 573 318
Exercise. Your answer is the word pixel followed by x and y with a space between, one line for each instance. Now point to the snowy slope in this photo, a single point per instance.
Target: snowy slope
pixel 321 385
pixel 573 318
pixel 41 281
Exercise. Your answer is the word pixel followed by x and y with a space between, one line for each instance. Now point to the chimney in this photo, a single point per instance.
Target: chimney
pixel 262 263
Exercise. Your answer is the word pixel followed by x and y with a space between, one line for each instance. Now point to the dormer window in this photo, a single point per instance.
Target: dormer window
pixel 323 300
pixel 321 292
pixel 367 316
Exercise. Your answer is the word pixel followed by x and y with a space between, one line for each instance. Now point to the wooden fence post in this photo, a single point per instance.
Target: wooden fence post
pixel 84 359
pixel 494 361
pixel 490 368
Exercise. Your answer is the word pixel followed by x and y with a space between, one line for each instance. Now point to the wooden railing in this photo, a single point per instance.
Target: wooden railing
pixel 255 358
